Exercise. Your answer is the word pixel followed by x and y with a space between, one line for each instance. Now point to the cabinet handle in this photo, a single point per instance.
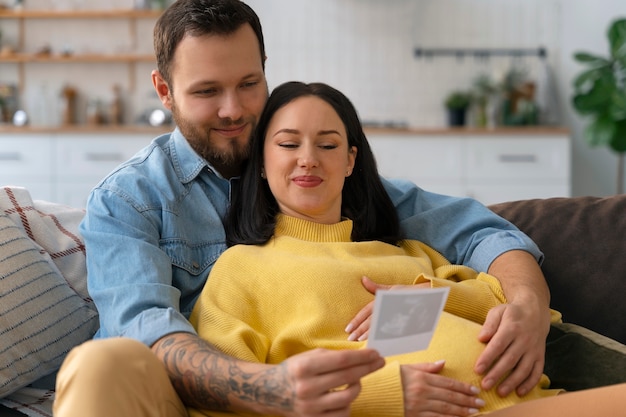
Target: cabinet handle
pixel 104 157
pixel 528 158
pixel 10 156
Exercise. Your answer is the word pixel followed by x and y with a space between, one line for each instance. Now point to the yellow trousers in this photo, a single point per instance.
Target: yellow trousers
pixel 115 377
pixel 123 378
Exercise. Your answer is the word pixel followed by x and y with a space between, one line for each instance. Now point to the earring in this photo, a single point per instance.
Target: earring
pixel 348 172
pixel 263 173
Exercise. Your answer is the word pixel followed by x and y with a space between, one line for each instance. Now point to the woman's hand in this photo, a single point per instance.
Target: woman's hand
pixel 359 326
pixel 428 394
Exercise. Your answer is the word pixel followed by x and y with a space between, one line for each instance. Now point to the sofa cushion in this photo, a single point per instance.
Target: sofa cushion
pixel 584 243
pixel 41 317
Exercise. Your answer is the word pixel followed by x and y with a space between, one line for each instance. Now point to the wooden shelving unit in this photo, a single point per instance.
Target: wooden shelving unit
pixel 20 58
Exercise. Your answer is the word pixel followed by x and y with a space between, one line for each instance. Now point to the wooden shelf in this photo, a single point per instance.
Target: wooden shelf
pixel 85 58
pixel 79 14
pixel 21 59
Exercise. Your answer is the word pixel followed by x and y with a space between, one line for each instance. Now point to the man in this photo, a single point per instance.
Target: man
pixel 153 230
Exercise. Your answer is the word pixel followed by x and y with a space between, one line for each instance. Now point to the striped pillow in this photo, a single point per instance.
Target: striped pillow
pixel 41 317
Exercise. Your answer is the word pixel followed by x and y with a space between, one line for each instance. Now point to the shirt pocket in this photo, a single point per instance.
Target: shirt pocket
pixel 194 258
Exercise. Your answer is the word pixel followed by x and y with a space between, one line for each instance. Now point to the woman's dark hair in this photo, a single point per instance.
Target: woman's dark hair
pixel 198 18
pixel 252 215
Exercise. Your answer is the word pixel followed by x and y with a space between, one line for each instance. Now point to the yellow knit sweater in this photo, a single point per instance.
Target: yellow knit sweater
pixel 298 292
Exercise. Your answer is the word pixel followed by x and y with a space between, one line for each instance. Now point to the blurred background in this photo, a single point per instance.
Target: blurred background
pixel 400 61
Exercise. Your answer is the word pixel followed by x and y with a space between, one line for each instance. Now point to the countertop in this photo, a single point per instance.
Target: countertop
pixel 456 131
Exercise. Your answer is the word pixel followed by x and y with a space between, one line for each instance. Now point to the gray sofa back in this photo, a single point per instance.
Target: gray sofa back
pixel 584 242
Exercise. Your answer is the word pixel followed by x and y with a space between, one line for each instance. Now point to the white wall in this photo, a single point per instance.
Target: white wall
pixel 584 24
pixel 365 48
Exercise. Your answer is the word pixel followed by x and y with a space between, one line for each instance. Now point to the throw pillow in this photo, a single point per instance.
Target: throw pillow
pixel 41 317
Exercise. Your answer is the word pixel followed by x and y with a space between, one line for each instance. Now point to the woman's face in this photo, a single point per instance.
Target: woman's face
pixel 307 158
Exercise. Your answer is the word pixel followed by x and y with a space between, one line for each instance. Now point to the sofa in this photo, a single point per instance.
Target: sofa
pixel 45 309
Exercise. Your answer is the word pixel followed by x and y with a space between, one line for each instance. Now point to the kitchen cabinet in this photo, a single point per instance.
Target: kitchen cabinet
pixel 81 163
pixel 26 160
pixel 63 167
pixel 489 166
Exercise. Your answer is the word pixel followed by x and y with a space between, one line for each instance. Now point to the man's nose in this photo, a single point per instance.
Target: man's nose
pixel 231 107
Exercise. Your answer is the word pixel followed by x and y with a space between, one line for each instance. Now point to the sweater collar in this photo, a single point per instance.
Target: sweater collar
pixel 311 231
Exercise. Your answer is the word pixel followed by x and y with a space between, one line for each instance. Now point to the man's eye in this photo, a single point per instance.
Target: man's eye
pixel 207 92
pixel 250 84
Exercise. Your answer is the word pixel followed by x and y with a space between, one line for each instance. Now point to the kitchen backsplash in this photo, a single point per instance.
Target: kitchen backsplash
pixel 363 47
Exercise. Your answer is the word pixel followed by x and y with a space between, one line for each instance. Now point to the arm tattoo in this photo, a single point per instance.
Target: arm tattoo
pixel 204 377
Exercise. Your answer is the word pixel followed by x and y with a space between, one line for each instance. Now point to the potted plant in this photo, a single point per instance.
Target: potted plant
pixel 600 94
pixel 457 103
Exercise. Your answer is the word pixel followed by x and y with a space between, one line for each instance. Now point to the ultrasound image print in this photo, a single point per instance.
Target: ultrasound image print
pixel 407 315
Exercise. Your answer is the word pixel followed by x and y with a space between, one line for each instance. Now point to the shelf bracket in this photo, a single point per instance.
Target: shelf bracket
pixel 483 53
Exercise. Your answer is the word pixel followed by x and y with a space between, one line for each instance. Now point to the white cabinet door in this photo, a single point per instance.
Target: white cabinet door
pixel 84 161
pixel 434 163
pixel 516 168
pixel 518 159
pixel 26 161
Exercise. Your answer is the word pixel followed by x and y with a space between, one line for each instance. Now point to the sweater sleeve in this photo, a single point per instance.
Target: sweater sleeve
pixel 381 393
pixel 223 314
pixel 472 294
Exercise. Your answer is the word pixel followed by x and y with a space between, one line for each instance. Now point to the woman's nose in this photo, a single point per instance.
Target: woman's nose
pixel 308 156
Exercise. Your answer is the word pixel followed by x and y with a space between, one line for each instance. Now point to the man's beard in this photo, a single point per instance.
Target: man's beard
pixel 227 160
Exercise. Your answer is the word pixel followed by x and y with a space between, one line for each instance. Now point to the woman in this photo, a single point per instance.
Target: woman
pixel 310 220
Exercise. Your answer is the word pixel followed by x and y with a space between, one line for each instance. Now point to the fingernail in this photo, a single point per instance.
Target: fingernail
pixel 349 328
pixel 480 402
pixel 475 390
pixel 352 337
pixel 487 384
pixel 439 362
pixel 480 369
pixel 472 411
pixel 362 338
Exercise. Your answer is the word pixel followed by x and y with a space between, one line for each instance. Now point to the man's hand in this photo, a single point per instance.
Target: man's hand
pixel 359 326
pixel 326 382
pixel 317 383
pixel 516 332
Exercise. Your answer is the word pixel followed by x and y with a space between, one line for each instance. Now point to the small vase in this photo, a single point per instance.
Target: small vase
pixel 456 117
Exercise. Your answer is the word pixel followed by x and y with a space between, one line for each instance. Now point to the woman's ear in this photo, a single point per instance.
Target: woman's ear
pixel 351 160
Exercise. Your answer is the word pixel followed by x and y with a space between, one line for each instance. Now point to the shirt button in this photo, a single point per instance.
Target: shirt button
pixel 195 264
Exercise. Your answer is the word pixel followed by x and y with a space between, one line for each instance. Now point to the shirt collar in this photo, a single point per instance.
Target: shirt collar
pixel 187 163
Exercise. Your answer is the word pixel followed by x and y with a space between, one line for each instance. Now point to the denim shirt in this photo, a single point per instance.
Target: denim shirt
pixel 153 230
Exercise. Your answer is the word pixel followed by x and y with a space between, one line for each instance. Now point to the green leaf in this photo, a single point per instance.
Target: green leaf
pixel 584 81
pixel 588 58
pixel 600 131
pixel 618 105
pixel 618 142
pixel 597 99
pixel 617 36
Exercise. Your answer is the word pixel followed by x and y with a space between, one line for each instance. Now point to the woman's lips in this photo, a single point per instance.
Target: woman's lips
pixel 307 181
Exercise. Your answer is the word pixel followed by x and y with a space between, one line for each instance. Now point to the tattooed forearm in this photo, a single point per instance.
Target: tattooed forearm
pixel 206 378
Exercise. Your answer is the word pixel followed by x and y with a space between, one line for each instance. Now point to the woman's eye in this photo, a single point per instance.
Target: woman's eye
pixel 328 146
pixel 288 145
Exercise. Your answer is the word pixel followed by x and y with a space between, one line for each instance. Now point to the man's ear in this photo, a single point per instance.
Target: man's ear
pixel 162 88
